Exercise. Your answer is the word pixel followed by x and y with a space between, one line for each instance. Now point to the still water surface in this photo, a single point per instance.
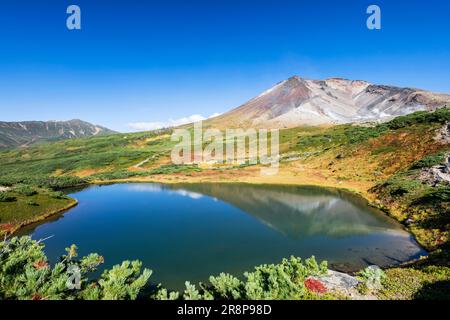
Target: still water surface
pixel 188 232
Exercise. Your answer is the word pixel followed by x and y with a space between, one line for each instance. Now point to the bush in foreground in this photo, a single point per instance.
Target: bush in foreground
pixel 26 274
pixel 284 281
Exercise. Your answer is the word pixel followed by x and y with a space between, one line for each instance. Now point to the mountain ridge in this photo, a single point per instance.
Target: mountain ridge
pixel 24 133
pixel 298 101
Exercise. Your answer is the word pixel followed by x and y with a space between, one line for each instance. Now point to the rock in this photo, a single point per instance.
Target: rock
pixel 345 284
pixel 443 135
pixel 340 282
pixel 437 174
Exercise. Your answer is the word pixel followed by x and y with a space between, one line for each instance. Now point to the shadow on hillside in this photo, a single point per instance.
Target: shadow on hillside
pixel 439 290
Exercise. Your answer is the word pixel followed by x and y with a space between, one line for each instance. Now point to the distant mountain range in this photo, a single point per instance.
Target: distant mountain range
pixel 299 101
pixel 14 134
pixel 290 103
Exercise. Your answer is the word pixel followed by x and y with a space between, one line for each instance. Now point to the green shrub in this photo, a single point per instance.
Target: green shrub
pixel 284 281
pixel 162 294
pixel 6 197
pixel 26 274
pixel 440 116
pixel 430 161
pixel 226 286
pixel 125 174
pixel 32 203
pixel 357 134
pixel 429 283
pixel 25 190
pixel 372 276
pixel 352 134
pixel 122 282
pixel 58 195
pixel 57 183
pixel 441 194
pixel 8 181
pixel 173 168
pixel 116 175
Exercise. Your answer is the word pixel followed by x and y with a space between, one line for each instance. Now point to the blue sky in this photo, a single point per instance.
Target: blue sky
pixel 151 61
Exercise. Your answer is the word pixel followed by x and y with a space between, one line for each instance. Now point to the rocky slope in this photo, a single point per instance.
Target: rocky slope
pixel 298 101
pixel 13 134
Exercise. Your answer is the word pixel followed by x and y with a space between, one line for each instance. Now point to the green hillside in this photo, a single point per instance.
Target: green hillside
pixel 15 134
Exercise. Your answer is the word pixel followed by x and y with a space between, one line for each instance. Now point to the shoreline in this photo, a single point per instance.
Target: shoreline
pixel 23 224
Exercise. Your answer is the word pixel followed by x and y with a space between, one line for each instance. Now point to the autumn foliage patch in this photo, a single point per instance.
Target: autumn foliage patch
pixel 315 286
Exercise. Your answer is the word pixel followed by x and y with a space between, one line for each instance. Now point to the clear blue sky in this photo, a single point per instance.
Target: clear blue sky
pixel 143 61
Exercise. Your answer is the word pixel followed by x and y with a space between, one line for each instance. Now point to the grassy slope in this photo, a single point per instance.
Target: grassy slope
pixel 81 156
pixel 373 161
pixel 25 209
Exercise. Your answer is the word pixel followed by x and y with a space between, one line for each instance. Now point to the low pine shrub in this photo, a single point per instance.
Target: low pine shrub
pixel 25 190
pixel 25 273
pixel 430 161
pixel 58 195
pixel 32 203
pixel 6 197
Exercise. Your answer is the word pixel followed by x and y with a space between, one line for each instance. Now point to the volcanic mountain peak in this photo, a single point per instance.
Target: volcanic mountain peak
pixel 298 101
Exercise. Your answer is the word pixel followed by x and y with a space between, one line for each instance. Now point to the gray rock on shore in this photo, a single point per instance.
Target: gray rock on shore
pixel 345 284
pixel 437 174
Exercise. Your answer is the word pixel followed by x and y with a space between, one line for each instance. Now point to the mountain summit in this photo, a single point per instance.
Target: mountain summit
pixel 13 134
pixel 297 101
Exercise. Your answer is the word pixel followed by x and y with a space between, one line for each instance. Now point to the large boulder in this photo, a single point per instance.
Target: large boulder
pixel 344 284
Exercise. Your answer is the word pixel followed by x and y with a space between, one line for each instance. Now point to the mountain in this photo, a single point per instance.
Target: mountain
pixel 299 101
pixel 13 134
